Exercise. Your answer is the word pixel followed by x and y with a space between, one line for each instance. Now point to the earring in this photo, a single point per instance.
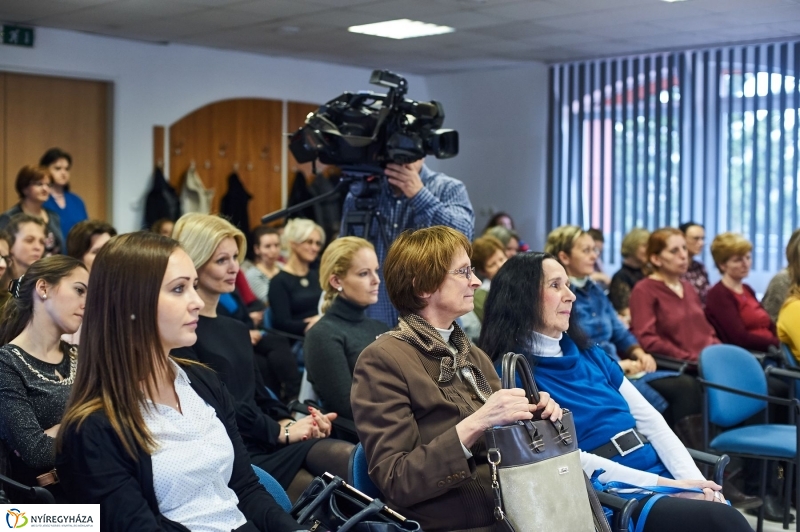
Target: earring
pixel 339 289
pixel 44 296
pixel 133 317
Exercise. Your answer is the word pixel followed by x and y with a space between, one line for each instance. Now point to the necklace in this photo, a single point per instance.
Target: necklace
pixel 73 366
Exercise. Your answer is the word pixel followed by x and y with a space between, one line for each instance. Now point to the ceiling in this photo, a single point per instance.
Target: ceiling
pixel 489 33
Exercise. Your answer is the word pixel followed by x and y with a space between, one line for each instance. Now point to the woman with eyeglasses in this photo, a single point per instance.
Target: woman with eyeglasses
pixel 5 266
pixel 33 187
pixel 294 293
pixel 423 394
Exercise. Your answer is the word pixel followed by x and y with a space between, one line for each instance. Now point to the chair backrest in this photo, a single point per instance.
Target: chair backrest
pixel 274 488
pixel 734 367
pixel 357 473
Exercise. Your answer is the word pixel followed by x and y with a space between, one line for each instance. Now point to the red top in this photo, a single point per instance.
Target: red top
pixel 245 292
pixel 739 318
pixel 667 325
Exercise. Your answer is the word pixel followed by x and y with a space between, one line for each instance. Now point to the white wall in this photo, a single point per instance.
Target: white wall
pixel 158 84
pixel 501 117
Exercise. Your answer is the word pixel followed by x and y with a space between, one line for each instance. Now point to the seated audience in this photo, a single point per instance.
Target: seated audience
pixel 634 258
pixel 349 280
pixel 677 397
pixel 87 238
pixel 488 255
pixel 69 207
pixel 33 187
pixel 423 394
pixel 508 237
pixel 266 252
pixel 779 285
pixel 152 439
pixel 599 276
pixel 666 313
pixel 292 452
pixel 294 293
pixel 27 242
pixel 5 266
pixel 531 296
pixel 163 226
pixel 696 273
pixel 788 326
pixel 37 368
pixel 731 305
pixel 503 219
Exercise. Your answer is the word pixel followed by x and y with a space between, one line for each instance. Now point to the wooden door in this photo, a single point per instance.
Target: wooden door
pixel 41 112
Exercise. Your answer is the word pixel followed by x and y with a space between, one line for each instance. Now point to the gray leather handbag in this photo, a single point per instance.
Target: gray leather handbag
pixel 537 479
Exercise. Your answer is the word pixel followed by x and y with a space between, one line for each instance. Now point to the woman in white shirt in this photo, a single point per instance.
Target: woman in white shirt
pixel 151 438
pixel 530 296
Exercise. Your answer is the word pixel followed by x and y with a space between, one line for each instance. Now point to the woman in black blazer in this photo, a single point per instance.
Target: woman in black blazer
pixel 151 438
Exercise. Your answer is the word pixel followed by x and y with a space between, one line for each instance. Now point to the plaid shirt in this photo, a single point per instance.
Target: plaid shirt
pixel 443 200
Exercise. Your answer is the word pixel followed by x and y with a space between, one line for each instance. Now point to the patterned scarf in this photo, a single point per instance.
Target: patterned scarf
pixel 414 330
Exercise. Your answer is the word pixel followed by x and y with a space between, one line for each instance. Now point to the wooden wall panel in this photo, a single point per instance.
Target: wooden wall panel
pixel 219 137
pixel 42 112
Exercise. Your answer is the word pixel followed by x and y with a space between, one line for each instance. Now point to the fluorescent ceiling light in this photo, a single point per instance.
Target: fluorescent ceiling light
pixel 670 1
pixel 401 29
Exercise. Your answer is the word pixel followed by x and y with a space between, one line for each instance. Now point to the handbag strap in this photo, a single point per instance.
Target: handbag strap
pixel 512 362
pixel 515 362
pixel 646 510
pixel 322 497
pixel 371 509
pixel 493 457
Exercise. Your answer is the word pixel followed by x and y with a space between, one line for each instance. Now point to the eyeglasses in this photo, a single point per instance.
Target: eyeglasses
pixel 466 272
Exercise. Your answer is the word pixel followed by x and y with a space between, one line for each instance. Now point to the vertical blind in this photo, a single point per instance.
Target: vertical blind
pixel 704 135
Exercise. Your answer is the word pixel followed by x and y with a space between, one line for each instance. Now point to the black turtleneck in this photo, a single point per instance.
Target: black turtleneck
pixel 331 349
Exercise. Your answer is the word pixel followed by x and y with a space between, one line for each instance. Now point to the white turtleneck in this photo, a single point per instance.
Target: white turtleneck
pixel 547 346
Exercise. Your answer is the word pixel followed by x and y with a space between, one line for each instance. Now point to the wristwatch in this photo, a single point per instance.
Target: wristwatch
pixel 286 430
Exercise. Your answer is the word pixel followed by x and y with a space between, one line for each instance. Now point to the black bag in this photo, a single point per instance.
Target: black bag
pixel 329 503
pixel 536 469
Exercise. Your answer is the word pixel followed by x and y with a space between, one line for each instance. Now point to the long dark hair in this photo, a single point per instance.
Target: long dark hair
pixel 120 347
pixel 17 311
pixel 513 309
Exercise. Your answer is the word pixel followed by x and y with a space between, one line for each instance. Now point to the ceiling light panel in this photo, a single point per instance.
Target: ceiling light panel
pixel 401 29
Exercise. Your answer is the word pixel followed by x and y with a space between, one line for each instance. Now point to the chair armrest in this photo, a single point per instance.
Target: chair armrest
pixel 673 364
pixel 791 373
pixel 720 462
pixel 768 398
pixel 623 509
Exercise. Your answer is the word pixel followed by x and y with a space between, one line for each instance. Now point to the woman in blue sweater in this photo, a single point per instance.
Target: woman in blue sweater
pixel 529 310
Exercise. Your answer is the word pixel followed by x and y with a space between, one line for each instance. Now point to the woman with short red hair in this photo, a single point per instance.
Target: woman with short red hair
pixel 666 313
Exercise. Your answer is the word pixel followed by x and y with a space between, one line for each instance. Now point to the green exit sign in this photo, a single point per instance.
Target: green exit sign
pixel 18 36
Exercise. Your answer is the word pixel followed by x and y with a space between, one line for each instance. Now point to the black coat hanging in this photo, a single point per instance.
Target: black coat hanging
pixel 233 204
pixel 162 201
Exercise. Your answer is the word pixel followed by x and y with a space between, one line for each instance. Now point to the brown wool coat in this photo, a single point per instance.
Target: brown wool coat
pixel 406 422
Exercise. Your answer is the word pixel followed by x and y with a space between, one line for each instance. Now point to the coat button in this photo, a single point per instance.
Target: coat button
pixel 440 483
pixel 449 479
pixel 473 396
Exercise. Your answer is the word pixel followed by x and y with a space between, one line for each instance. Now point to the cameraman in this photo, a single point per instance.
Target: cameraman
pixel 412 197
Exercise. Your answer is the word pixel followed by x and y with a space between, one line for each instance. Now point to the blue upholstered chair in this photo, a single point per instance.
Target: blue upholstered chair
pixel 357 473
pixel 735 389
pixel 274 488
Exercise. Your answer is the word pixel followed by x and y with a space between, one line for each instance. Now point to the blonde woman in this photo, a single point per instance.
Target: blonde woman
pixel 349 279
pixel 276 443
pixel 294 293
